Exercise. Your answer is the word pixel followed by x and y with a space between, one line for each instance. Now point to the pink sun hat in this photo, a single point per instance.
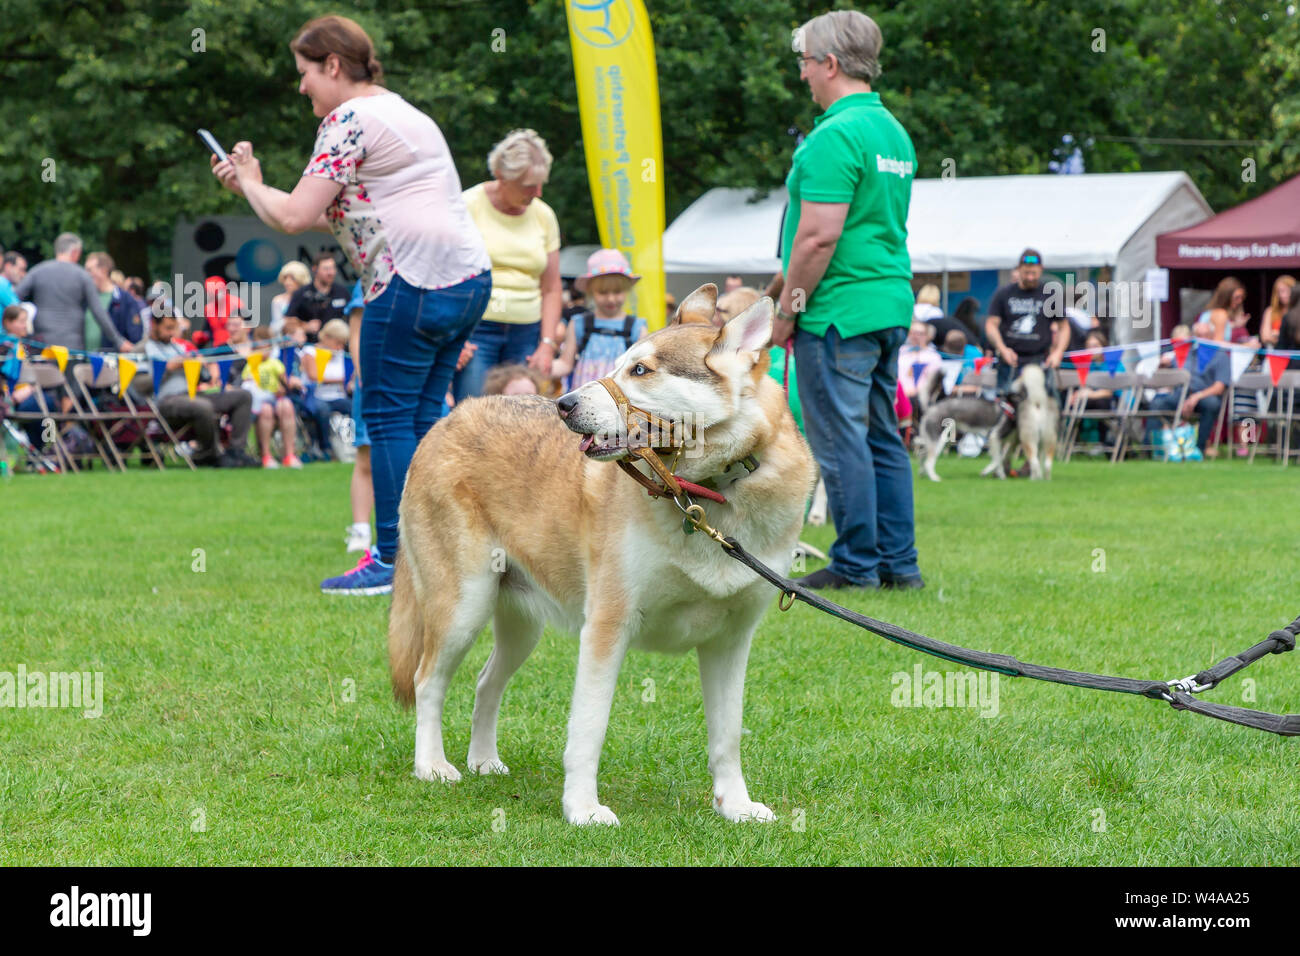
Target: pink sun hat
pixel 606 262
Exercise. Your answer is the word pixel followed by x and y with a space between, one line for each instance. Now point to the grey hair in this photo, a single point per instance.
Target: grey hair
pixel 518 154
pixel 66 242
pixel 853 37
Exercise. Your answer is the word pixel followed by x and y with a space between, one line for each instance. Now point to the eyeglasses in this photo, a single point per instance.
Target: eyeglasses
pixel 802 58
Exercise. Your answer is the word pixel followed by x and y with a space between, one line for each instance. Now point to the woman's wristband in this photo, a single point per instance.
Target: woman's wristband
pixel 547 340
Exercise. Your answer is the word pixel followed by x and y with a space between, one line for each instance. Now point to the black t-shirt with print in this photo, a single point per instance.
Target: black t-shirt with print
pixel 310 303
pixel 1025 328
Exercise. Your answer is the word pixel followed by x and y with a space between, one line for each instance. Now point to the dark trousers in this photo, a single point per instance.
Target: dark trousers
pixel 1206 411
pixel 204 411
pixel 1007 375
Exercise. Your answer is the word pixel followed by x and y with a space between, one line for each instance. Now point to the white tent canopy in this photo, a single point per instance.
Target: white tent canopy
pixel 966 223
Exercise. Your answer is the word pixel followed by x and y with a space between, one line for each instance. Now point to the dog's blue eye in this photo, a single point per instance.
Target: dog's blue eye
pixel 640 369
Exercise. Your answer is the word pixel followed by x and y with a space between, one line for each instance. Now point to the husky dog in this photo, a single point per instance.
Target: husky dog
pixel 1037 415
pixel 1029 419
pixel 515 511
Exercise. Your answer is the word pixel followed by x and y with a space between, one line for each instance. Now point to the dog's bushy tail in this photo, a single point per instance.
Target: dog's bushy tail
pixel 405 633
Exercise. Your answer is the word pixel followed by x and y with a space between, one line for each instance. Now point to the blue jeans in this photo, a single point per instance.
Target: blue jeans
pixel 1206 411
pixel 499 343
pixel 847 387
pixel 410 340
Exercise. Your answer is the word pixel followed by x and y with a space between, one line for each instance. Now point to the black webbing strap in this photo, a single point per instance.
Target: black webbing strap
pixel 1288 725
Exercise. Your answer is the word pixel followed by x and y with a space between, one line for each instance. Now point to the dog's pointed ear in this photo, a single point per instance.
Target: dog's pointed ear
pixel 748 332
pixel 698 307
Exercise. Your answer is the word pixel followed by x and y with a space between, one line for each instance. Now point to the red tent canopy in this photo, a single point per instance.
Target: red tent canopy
pixel 1263 233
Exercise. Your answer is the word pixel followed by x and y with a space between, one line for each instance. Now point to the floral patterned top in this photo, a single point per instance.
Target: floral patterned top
pixel 400 211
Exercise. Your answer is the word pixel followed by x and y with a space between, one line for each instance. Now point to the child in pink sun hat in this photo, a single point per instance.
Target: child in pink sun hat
pixel 597 337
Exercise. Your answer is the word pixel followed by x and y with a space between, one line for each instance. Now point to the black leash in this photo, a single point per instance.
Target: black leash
pixel 1178 693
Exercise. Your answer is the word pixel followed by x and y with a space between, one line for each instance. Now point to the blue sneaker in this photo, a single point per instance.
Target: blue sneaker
pixel 368 577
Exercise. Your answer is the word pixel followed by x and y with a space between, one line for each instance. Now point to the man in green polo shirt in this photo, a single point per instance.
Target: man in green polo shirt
pixel 848 301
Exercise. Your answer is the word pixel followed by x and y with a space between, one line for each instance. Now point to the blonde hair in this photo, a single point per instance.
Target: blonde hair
pixel 296 271
pixel 596 283
pixel 518 154
pixel 1276 303
pixel 336 329
pixel 499 376
pixel 928 295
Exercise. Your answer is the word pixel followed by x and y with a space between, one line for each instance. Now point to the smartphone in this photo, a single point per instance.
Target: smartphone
pixel 212 144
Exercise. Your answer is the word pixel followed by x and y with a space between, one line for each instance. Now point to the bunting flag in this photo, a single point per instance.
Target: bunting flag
pixel 1146 350
pixel 290 359
pixel 159 370
pixel 323 358
pixel 1276 366
pixel 223 371
pixel 192 368
pixel 1205 353
pixel 1082 363
pixel 1113 359
pixel 349 367
pixel 1181 346
pixel 918 369
pixel 22 353
pixel 951 371
pixel 57 352
pixel 125 372
pixel 96 366
pixel 1241 359
pixel 254 363
pixel 982 362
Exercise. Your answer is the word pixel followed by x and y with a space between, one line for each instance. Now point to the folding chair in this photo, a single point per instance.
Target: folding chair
pixel 122 427
pixel 1287 386
pixel 1261 383
pixel 1177 379
pixel 1075 411
pixel 156 427
pixel 45 376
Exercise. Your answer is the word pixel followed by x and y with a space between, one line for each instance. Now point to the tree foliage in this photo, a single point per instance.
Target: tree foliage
pixel 109 94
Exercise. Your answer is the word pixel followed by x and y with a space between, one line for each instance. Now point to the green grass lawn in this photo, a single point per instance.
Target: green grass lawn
pixel 230 734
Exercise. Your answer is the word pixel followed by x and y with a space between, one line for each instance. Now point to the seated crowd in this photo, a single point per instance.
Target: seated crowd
pixel 294 375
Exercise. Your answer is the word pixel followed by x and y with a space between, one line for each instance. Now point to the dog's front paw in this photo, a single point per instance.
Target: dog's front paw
pixel 737 810
pixel 816 518
pixel 441 771
pixel 592 813
pixel 487 765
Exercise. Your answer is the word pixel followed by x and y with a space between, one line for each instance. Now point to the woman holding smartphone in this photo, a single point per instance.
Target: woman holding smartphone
pixel 381 179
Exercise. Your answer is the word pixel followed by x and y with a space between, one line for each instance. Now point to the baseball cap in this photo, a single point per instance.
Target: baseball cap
pixel 1030 257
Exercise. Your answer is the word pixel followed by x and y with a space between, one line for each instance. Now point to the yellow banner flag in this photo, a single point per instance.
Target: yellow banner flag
pixel 125 372
pixel 323 357
pixel 254 362
pixel 618 102
pixel 192 369
pixel 57 352
pixel 22 353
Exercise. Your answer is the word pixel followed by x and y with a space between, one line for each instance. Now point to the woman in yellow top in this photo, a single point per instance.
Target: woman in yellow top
pixel 523 240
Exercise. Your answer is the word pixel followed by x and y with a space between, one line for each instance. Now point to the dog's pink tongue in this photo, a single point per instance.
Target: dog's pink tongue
pixel 586 442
